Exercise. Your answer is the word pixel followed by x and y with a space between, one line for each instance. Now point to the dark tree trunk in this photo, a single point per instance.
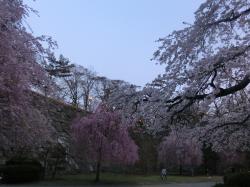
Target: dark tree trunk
pixel 180 169
pixel 86 103
pixel 98 166
pixel 45 164
pixel 54 171
pixel 98 170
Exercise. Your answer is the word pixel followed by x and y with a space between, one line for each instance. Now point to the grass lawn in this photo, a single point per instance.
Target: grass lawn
pixel 108 178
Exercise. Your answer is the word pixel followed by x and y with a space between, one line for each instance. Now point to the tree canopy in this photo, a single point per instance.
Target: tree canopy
pixel 207 73
pixel 20 72
pixel 102 137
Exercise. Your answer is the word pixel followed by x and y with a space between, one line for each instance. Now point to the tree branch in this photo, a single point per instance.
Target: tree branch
pixel 227 91
pixel 227 124
pixel 222 93
pixel 231 17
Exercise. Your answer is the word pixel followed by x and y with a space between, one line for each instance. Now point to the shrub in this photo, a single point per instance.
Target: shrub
pixel 21 170
pixel 237 179
pixel 23 161
pixel 219 185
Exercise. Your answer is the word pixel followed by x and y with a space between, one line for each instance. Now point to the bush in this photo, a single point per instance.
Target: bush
pixel 219 185
pixel 21 170
pixel 23 161
pixel 237 179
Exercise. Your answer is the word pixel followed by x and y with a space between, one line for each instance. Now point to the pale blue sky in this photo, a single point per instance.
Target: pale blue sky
pixel 116 38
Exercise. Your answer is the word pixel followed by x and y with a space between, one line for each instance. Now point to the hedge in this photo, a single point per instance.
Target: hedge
pixel 21 170
pixel 237 179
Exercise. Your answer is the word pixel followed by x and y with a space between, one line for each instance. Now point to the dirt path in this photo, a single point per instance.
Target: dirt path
pixel 204 184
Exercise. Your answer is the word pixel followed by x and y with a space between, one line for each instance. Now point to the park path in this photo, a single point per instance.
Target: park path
pixel 204 184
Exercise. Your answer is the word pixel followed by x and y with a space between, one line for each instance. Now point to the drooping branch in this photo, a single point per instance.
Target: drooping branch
pixel 235 123
pixel 212 130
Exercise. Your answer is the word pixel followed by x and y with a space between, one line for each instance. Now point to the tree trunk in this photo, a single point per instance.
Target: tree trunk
pixel 45 164
pixel 180 169
pixel 86 98
pixel 98 169
pixel 54 171
pixel 192 171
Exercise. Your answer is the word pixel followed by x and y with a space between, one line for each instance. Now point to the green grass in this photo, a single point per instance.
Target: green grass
pixel 108 178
